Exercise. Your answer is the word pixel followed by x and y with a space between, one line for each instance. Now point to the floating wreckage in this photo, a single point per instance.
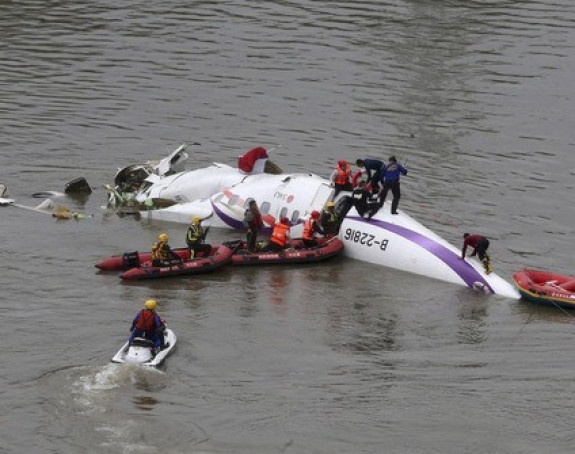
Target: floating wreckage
pixel 150 186
pixel 75 188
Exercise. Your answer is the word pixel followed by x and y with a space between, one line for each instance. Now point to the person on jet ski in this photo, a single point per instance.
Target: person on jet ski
pixel 280 236
pixel 162 254
pixel 310 228
pixel 149 325
pixel 195 237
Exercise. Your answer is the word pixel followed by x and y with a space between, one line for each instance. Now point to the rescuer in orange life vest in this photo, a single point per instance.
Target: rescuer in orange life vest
pixel 280 236
pixel 148 324
pixel 310 228
pixel 341 177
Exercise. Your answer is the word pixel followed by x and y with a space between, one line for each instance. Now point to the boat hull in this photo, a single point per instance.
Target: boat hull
pixel 546 288
pixel 297 254
pixel 221 257
pixel 133 259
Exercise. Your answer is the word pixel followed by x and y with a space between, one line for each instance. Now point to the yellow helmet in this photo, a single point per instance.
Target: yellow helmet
pixel 163 237
pixel 330 204
pixel 196 220
pixel 150 304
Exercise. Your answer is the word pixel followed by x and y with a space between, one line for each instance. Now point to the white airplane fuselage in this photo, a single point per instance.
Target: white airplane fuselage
pixel 220 193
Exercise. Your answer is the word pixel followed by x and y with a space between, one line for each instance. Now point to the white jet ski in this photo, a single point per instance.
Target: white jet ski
pixel 142 351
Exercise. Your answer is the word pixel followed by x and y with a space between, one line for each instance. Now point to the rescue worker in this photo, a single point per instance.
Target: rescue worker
pixel 479 244
pixel 360 174
pixel 341 177
pixel 280 236
pixel 162 254
pixel 363 200
pixel 329 220
pixel 149 325
pixel 373 167
pixel 253 221
pixel 390 178
pixel 195 237
pixel 310 228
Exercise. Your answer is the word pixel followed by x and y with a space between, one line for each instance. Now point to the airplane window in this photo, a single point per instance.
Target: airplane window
pixel 295 217
pixel 233 199
pixel 283 212
pixel 218 198
pixel 265 208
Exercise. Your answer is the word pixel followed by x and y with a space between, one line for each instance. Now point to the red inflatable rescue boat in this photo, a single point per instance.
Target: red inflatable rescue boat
pixel 546 287
pixel 220 256
pixel 296 253
pixel 132 259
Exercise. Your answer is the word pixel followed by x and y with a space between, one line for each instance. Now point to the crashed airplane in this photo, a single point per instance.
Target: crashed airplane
pixel 220 193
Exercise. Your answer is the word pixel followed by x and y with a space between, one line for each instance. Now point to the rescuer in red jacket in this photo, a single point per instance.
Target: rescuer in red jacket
pixel 479 244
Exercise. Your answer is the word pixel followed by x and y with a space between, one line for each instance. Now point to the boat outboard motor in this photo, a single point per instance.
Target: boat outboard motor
pixel 130 260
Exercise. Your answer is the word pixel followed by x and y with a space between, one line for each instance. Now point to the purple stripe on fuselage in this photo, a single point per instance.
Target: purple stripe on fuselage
pixel 463 269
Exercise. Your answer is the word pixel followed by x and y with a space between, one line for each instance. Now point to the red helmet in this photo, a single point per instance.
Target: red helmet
pixel 342 162
pixel 315 214
pixel 284 220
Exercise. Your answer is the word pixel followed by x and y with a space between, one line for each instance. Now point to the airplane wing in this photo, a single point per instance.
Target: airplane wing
pixel 181 213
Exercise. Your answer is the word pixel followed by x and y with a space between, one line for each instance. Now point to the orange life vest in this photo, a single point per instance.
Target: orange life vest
pixel 308 229
pixel 343 175
pixel 146 320
pixel 279 235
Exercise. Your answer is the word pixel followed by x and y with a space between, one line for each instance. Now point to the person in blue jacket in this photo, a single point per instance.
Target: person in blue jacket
pixel 148 324
pixel 390 177
pixel 373 167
